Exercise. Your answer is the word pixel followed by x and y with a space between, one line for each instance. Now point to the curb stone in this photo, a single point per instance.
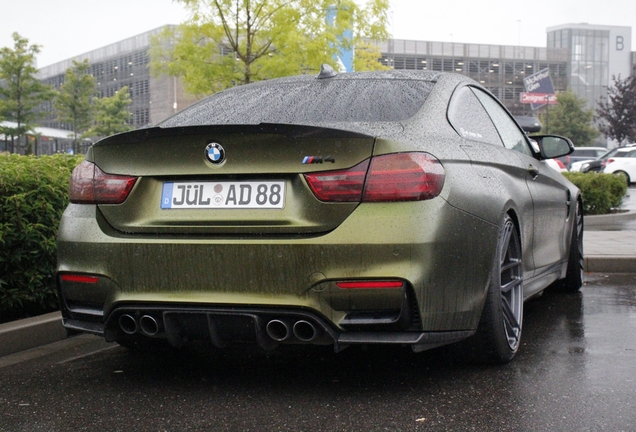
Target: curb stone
pixel 29 333
pixel 601 220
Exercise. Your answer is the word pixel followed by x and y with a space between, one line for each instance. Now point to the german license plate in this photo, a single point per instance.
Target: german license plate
pixel 223 195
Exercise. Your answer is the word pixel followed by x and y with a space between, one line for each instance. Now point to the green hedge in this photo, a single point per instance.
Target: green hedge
pixel 33 195
pixel 601 192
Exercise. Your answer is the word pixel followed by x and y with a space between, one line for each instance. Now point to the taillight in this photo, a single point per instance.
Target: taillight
pixel 393 177
pixel 403 177
pixel 339 186
pixel 609 161
pixel 91 185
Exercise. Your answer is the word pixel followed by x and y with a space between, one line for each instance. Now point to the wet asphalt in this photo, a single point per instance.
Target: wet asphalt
pixel 575 371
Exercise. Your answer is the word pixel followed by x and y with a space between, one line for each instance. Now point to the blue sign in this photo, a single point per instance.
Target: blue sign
pixel 344 56
pixel 540 85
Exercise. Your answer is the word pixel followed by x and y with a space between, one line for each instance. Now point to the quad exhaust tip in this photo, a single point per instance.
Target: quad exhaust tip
pixel 305 331
pixel 148 325
pixel 128 324
pixel 278 330
pixel 302 330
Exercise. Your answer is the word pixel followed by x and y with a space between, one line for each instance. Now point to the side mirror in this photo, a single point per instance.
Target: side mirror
pixel 552 146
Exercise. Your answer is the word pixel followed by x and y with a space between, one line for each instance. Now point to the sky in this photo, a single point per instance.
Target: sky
pixel 67 28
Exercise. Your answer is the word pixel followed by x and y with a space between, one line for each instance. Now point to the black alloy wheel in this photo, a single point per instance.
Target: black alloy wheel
pixel 499 333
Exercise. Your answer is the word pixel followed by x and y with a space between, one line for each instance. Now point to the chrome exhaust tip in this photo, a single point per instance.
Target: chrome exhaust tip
pixel 128 324
pixel 148 325
pixel 278 330
pixel 305 331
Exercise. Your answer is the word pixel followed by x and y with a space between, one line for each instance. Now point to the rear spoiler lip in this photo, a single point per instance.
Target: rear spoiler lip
pixel 289 130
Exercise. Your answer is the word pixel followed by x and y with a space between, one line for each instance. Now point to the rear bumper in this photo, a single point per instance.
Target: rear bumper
pixel 442 255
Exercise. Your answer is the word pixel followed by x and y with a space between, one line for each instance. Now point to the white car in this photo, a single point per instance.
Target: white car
pixel 598 164
pixel 622 162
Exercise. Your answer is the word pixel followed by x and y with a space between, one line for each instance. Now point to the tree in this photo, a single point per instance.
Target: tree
pixel 570 118
pixel 366 58
pixel 20 91
pixel 230 42
pixel 618 111
pixel 112 114
pixel 74 102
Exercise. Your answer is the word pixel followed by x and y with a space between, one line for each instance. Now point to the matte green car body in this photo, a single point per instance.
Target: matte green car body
pixel 246 266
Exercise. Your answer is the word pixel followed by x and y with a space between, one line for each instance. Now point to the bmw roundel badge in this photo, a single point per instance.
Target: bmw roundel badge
pixel 215 153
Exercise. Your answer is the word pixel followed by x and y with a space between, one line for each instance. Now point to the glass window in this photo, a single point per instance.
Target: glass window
pixel 309 101
pixel 512 137
pixel 469 118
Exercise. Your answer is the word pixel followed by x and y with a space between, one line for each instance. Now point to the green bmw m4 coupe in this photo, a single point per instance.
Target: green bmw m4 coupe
pixel 397 207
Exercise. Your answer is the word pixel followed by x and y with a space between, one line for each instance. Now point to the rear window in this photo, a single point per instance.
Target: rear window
pixel 309 102
pixel 625 153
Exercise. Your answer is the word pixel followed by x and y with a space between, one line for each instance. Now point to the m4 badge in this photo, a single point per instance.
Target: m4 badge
pixel 318 159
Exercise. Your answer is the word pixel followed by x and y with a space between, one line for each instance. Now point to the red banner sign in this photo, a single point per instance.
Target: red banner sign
pixel 538 98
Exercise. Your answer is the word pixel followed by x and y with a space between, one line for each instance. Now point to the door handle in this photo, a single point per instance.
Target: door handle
pixel 534 171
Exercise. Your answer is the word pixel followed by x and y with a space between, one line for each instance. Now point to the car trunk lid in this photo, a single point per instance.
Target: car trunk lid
pixel 256 188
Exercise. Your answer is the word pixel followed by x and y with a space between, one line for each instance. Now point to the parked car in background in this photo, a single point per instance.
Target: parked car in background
pixel 597 165
pixel 583 154
pixel 623 162
pixel 394 207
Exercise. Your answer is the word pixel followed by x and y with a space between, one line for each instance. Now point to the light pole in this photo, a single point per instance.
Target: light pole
pixel 547 113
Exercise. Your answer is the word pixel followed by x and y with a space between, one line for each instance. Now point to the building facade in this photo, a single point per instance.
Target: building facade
pixel 596 54
pixel 499 68
pixel 124 63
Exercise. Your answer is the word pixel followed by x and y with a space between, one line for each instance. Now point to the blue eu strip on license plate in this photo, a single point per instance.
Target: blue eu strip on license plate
pixel 223 195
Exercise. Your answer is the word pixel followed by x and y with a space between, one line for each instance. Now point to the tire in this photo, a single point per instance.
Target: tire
pixel 573 280
pixel 499 332
pixel 624 175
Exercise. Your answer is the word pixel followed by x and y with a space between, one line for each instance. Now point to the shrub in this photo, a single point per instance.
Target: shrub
pixel 33 195
pixel 601 192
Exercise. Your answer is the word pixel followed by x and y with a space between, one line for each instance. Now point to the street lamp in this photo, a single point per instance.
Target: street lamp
pixel 547 113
